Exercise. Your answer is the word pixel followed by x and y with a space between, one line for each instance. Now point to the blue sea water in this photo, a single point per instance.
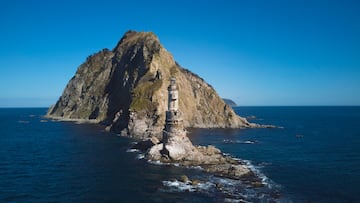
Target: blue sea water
pixel 315 157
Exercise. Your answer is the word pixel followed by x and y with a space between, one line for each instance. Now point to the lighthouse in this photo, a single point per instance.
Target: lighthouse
pixel 173 121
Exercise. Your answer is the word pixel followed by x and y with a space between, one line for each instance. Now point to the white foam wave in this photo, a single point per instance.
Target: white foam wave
pixel 226 141
pixel 140 156
pixel 157 162
pixel 179 186
pixel 235 200
pixel 196 167
pixel 237 191
pixel 132 150
pixel 232 190
pixel 249 142
pixel 264 179
pixel 256 169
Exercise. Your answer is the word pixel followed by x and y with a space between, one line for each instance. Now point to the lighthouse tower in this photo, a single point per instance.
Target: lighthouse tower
pixel 173 122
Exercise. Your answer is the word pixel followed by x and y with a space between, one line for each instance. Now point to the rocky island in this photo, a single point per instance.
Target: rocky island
pixel 134 90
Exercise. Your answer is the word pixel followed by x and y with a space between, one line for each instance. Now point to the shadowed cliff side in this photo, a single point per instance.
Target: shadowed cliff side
pixel 126 90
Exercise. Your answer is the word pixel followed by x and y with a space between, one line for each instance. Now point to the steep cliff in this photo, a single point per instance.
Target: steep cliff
pixel 126 90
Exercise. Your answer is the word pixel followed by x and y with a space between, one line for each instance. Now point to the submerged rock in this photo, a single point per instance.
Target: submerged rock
pixel 184 179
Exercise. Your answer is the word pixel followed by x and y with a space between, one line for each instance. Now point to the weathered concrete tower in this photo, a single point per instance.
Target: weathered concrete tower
pixel 173 96
pixel 173 122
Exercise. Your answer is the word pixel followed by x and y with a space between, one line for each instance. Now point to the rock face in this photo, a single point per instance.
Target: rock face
pixel 126 90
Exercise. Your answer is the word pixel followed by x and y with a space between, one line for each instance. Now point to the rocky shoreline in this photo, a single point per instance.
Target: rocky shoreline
pixel 176 148
pixel 209 158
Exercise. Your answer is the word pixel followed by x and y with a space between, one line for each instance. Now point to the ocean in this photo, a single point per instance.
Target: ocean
pixel 314 157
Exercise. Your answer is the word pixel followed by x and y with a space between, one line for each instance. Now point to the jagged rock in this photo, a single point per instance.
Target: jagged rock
pixel 195 182
pixel 257 184
pixel 125 89
pixel 184 179
pixel 209 150
pixel 144 145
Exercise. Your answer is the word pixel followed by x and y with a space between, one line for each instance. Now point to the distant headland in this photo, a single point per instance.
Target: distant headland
pixel 229 102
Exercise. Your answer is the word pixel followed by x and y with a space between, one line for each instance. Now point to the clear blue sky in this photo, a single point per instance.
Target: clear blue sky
pixel 254 52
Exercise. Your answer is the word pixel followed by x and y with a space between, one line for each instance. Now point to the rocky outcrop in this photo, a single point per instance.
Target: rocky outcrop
pixel 125 89
pixel 181 151
pixel 176 147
